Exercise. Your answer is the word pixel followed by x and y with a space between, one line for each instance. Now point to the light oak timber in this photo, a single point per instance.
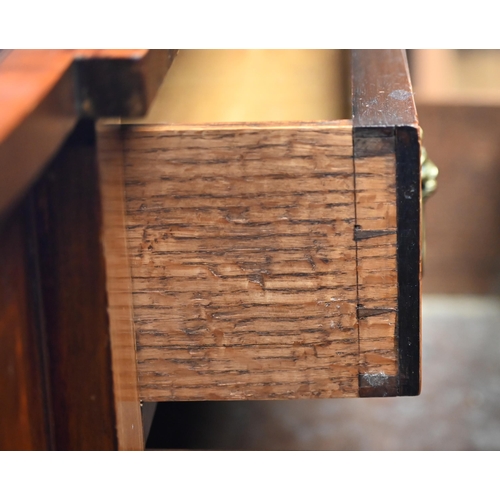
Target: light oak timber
pixel 376 239
pixel 119 289
pixel 243 247
pixel 274 260
pixel 235 234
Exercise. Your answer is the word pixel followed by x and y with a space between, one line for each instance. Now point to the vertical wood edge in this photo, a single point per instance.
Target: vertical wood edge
pixel 119 291
pixel 408 254
pixel 24 415
pixel 38 317
pixel 383 104
pixel 374 147
pixel 409 259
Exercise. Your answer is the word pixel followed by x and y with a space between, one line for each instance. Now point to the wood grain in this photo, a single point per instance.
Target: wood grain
pixel 119 293
pixel 278 260
pixel 382 95
pixel 376 241
pixel 386 140
pixel 255 251
pixel 243 260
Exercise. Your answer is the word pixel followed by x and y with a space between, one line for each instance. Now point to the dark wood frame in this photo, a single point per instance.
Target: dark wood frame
pixel 56 380
pixel 383 106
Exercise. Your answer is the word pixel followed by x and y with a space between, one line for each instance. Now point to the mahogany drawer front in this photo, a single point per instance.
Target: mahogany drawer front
pixel 268 260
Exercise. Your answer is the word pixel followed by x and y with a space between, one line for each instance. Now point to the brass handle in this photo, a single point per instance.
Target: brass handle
pixel 428 174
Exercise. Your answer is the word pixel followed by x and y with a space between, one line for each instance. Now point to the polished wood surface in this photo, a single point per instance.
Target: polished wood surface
pixel 26 78
pixel 44 92
pixel 56 375
pixel 30 139
pixel 382 94
pixel 23 411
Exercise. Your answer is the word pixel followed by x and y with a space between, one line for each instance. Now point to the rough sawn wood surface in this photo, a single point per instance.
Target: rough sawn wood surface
pixel 243 245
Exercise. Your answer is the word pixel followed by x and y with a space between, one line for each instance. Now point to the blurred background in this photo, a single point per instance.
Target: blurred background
pixel 458 101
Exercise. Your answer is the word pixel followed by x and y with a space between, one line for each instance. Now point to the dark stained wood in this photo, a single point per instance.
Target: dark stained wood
pixel 43 92
pixel 385 122
pixel 24 417
pixel 382 95
pixel 74 298
pixel 55 374
pixel 409 259
pixel 409 240
pixel 120 86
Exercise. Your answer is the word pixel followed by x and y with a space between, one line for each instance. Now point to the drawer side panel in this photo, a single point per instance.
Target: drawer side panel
pixel 243 261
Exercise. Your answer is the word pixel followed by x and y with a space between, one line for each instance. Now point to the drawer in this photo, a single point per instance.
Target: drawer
pixel 261 241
